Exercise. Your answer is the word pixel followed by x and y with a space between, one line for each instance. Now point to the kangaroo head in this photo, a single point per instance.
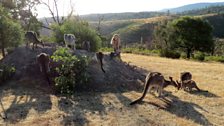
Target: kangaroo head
pixel 172 82
pixel 179 84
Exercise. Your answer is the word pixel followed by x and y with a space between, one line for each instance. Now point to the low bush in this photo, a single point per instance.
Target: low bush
pixel 169 54
pixel 106 49
pixel 72 71
pixel 183 55
pixel 6 72
pixel 199 56
pixel 215 58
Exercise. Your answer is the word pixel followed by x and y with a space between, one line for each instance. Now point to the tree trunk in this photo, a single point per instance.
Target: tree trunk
pixel 188 53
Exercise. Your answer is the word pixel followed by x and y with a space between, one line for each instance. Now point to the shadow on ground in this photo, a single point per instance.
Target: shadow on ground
pixel 183 109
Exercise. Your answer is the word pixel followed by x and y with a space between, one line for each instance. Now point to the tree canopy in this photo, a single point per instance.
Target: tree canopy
pixel 11 33
pixel 187 34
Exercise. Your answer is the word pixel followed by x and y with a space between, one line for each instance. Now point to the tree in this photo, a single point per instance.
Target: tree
pixel 23 10
pixel 54 11
pixel 11 33
pixel 192 34
pixel 187 34
pixel 80 29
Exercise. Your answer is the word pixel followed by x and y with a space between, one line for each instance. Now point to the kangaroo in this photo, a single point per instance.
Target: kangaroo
pixel 155 79
pixel 86 45
pixel 31 37
pixel 70 39
pixel 43 61
pixel 188 85
pixel 184 76
pixel 99 56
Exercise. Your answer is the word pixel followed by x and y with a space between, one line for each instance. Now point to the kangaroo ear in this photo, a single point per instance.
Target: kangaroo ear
pixel 171 78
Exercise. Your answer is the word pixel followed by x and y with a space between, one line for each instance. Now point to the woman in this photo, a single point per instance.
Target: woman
pixel 115 42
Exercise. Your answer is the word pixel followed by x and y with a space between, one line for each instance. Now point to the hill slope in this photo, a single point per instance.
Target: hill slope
pixel 189 7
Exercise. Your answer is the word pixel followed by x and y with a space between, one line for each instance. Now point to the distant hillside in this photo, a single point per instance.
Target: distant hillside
pixel 192 7
pixel 134 27
pixel 121 16
pixel 208 10
pixel 132 31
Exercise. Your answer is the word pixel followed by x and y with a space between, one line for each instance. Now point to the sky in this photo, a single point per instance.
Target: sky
pixel 82 7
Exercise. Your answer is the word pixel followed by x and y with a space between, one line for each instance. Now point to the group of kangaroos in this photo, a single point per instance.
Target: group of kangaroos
pixel 153 81
pixel 43 59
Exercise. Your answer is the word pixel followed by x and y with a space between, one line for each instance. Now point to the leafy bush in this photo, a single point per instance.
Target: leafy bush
pixel 199 56
pixel 140 51
pixel 106 49
pixel 11 34
pixel 169 54
pixel 81 30
pixel 215 58
pixel 72 71
pixel 6 72
pixel 183 55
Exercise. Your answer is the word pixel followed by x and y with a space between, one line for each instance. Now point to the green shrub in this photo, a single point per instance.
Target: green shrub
pixel 215 58
pixel 81 30
pixel 183 55
pixel 72 71
pixel 199 56
pixel 169 54
pixel 155 51
pixel 6 72
pixel 106 49
pixel 10 50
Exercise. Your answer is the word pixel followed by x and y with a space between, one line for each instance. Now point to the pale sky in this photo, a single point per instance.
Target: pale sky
pixel 115 6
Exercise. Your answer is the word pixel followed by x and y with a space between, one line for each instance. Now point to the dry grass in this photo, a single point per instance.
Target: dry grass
pixel 151 20
pixel 28 104
pixel 209 76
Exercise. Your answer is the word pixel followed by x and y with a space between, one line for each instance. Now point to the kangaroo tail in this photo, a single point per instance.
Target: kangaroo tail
pixel 101 64
pixel 46 74
pixel 144 91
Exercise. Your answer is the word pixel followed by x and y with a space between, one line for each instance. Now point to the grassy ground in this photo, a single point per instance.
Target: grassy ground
pixel 28 104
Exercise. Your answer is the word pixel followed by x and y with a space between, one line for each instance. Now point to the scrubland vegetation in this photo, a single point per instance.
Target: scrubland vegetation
pixel 84 95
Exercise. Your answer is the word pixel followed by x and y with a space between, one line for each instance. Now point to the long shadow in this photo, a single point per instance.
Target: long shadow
pixel 120 77
pixel 25 99
pixel 183 109
pixel 204 93
pixel 74 114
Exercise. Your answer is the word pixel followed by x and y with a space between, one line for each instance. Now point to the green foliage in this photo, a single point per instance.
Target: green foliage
pixel 11 33
pixel 122 16
pixel 187 34
pixel 192 34
pixel 183 55
pixel 22 11
pixel 215 58
pixel 140 51
pixel 217 23
pixel 106 49
pixel 169 54
pixel 199 56
pixel 81 30
pixel 219 47
pixel 161 35
pixel 72 71
pixel 6 72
